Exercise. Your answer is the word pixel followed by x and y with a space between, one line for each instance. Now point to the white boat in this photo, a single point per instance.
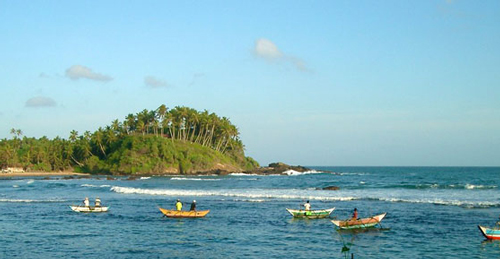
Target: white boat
pixel 310 214
pixel 88 209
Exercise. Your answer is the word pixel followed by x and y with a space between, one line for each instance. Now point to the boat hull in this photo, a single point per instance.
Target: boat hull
pixel 85 209
pixel 184 214
pixel 359 223
pixel 311 214
pixel 490 233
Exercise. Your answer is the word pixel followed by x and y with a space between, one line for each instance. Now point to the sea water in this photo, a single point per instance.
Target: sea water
pixel 432 212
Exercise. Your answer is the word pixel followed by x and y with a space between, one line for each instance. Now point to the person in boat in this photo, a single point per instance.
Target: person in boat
pixel 86 202
pixel 193 206
pixel 97 202
pixel 355 214
pixel 307 206
pixel 178 205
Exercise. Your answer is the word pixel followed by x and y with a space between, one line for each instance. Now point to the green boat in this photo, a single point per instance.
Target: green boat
pixel 310 214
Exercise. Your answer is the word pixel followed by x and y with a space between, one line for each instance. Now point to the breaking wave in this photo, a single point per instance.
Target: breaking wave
pixel 96 186
pixel 258 195
pixel 246 193
pixel 192 179
pixel 296 173
pixel 459 203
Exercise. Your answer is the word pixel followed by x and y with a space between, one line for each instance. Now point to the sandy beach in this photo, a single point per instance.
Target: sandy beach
pixel 21 174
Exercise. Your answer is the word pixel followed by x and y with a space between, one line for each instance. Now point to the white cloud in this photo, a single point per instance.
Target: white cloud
pixel 154 82
pixel 40 101
pixel 77 71
pixel 267 50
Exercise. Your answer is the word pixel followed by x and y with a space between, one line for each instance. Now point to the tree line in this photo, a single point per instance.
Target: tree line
pixel 179 125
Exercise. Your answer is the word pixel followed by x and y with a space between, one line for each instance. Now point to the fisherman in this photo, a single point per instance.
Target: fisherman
pixel 86 202
pixel 178 205
pixel 355 214
pixel 193 206
pixel 97 202
pixel 307 206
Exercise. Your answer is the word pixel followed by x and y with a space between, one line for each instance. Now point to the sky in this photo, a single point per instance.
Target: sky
pixel 312 83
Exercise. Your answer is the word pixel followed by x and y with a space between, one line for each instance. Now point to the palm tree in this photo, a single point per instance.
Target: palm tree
pixel 98 138
pixel 161 112
pixel 131 123
pixel 73 135
pixel 141 126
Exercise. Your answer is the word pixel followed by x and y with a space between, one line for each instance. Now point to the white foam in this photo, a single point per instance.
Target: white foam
pixel 472 186
pixel 144 178
pixel 192 179
pixel 438 201
pixel 251 194
pixel 295 173
pixel 96 186
pixel 251 200
pixel 242 174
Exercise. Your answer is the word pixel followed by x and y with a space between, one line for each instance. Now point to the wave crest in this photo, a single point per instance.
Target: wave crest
pixel 192 179
pixel 296 173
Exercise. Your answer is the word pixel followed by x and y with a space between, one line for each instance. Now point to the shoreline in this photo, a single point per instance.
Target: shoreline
pixel 63 173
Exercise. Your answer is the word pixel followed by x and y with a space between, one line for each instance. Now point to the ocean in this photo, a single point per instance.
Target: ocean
pixel 432 212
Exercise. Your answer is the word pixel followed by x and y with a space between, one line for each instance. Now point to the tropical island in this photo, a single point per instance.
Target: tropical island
pixel 164 141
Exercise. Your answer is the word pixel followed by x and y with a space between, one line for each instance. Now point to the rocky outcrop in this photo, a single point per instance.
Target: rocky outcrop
pixel 277 168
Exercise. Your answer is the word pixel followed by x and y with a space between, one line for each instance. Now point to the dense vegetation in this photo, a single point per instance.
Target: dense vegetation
pixel 179 140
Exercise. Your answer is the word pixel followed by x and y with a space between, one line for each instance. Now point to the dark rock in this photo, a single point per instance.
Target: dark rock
pixel 277 168
pixel 331 188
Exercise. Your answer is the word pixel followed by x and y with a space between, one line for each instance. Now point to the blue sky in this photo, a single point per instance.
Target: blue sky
pixel 396 83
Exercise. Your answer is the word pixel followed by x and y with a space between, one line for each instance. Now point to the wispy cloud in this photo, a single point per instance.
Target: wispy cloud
pixel 196 77
pixel 43 75
pixel 77 71
pixel 154 82
pixel 40 101
pixel 268 51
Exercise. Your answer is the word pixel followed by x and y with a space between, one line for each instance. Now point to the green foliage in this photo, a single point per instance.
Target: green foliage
pixel 180 140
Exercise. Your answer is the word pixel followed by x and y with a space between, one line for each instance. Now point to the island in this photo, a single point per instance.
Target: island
pixel 177 141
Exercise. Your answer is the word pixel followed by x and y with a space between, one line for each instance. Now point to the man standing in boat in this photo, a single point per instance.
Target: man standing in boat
pixel 307 208
pixel 86 202
pixel 193 206
pixel 178 205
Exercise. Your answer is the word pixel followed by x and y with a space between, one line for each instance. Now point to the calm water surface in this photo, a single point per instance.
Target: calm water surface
pixel 432 213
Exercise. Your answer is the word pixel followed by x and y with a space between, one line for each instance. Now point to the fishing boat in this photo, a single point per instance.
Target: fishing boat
pixel 490 233
pixel 359 223
pixel 88 209
pixel 184 214
pixel 310 214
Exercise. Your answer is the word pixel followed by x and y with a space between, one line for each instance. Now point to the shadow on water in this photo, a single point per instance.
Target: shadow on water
pixel 362 230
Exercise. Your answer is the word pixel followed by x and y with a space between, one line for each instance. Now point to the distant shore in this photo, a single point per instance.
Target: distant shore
pixel 37 173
